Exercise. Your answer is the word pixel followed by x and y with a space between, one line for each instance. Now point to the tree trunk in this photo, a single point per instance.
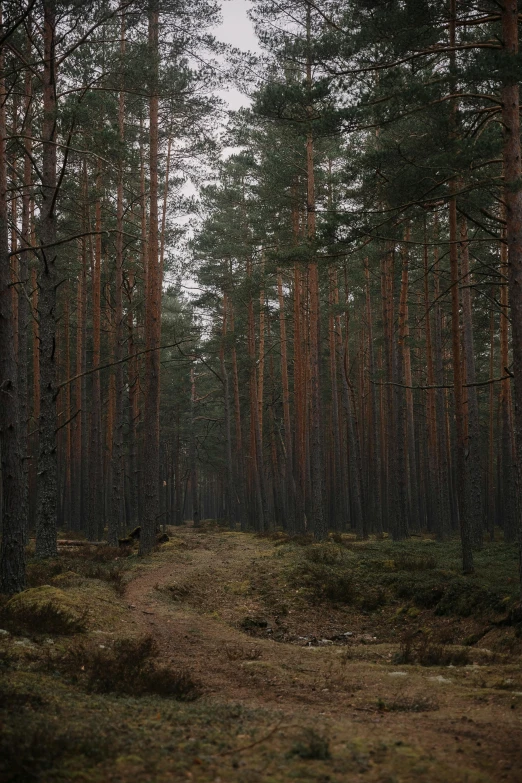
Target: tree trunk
pixel 194 483
pixel 24 305
pixel 513 202
pixel 458 390
pixel 473 449
pixel 288 455
pixel 508 513
pixel 410 439
pixel 116 515
pixel 12 552
pixel 374 454
pixel 240 468
pixel 47 504
pixel 433 507
pixel 230 506
pixel 95 521
pixel 150 462
pixel 443 474
pixel 256 446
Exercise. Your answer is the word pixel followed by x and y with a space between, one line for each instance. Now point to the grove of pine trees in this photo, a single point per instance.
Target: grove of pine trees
pixel 323 333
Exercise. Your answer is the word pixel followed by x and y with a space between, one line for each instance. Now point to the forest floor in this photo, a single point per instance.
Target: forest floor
pixel 341 661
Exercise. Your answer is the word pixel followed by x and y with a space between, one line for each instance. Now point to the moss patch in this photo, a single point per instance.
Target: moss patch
pixel 45 609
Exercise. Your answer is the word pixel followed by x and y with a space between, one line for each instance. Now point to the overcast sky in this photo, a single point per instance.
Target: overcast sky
pixel 236 30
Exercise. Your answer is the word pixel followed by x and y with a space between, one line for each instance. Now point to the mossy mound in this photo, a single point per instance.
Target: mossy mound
pixel 425 573
pixel 45 609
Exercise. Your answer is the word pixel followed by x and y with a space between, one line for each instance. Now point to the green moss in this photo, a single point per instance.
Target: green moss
pixel 424 573
pixel 45 609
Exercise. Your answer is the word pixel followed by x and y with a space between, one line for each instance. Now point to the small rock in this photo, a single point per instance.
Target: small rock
pixel 440 678
pixel 48 641
pixel 325 641
pixel 3 632
pixel 397 674
pixel 24 643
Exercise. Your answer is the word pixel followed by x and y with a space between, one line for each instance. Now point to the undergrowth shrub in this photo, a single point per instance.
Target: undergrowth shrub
pixel 405 562
pixel 325 554
pixel 273 535
pixel 176 591
pixel 372 599
pixel 312 746
pixel 341 540
pixel 464 598
pixel 428 650
pixel 425 594
pixel 324 571
pixel 41 572
pixel 128 667
pixel 28 753
pixel 14 698
pixel 113 576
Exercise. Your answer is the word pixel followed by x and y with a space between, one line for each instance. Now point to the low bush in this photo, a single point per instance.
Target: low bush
pixel 425 593
pixel 312 746
pixel 437 654
pixel 325 554
pixel 113 576
pixel 427 650
pixel 326 582
pixel 42 572
pixel 406 562
pixel 176 591
pixel 13 698
pixel 373 599
pixel 128 667
pixel 464 598
pixel 33 753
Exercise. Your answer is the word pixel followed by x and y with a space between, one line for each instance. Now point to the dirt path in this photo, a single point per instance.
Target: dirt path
pixel 191 599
